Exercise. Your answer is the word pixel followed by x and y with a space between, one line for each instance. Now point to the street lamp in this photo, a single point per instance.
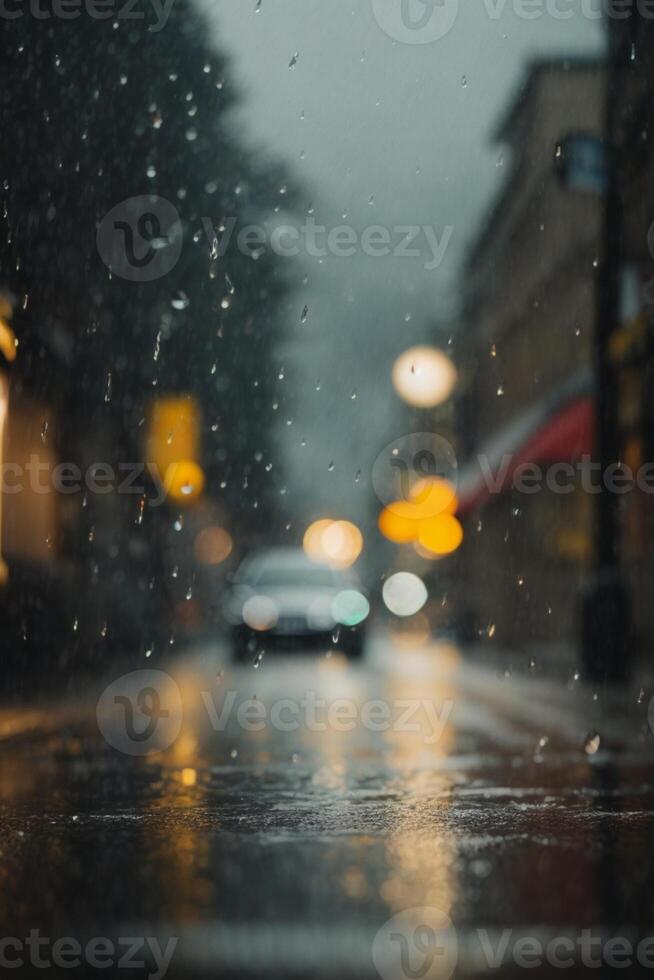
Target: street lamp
pixel 424 377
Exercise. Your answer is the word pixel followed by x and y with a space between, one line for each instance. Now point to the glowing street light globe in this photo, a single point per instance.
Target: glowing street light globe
pixel 334 543
pixel 424 377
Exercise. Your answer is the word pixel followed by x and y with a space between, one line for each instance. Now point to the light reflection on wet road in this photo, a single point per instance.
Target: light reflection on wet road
pixel 282 852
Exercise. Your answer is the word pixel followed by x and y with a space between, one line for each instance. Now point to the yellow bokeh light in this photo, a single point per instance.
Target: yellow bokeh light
pixel 189 777
pixel 402 520
pixel 425 553
pixel 429 497
pixel 184 481
pixel 334 543
pixel 441 535
pixel 8 342
pixel 395 527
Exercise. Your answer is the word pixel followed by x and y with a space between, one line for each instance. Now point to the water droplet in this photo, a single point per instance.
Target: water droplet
pixel 180 301
pixel 294 60
pixel 592 743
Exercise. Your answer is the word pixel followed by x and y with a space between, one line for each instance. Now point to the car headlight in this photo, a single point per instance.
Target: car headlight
pixel 349 608
pixel 260 613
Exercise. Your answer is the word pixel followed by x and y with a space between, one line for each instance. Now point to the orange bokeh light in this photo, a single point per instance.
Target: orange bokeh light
pixel 440 535
pixel 213 545
pixel 427 518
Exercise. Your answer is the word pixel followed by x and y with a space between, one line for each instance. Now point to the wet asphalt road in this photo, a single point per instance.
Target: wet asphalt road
pixel 278 839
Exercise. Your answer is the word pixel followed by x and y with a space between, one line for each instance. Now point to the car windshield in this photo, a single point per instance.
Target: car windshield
pixel 308 576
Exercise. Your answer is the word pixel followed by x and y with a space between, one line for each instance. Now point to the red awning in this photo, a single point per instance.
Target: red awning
pixel 549 433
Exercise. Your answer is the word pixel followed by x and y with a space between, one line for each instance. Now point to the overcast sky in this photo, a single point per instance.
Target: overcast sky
pixel 383 132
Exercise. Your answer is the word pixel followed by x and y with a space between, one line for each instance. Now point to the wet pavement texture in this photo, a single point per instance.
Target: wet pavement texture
pixel 280 842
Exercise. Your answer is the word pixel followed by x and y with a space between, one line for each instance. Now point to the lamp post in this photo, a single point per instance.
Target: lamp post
pixel 605 640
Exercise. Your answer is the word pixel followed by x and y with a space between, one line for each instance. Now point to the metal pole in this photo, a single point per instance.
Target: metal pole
pixel 605 613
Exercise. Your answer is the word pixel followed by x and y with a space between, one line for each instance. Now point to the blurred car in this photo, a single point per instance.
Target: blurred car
pixel 279 596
